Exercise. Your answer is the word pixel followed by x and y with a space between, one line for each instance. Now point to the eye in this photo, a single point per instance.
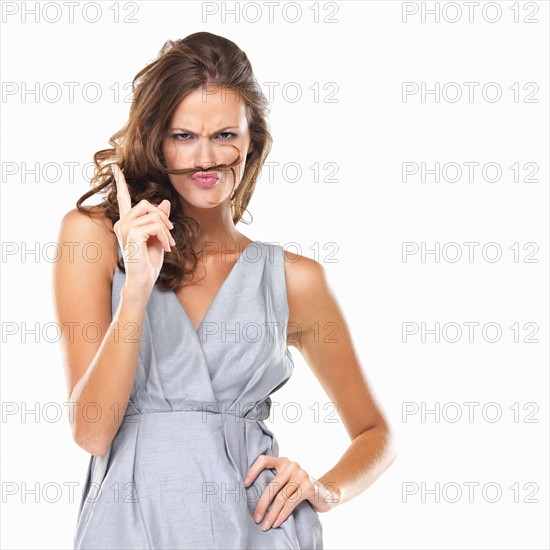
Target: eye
pixel 231 134
pixel 182 136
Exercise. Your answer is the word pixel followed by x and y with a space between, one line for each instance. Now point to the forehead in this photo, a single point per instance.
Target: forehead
pixel 211 106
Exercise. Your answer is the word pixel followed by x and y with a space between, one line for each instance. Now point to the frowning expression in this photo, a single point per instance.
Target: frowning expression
pixel 202 126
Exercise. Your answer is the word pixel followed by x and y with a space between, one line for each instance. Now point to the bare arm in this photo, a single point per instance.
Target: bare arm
pixel 335 364
pixel 100 370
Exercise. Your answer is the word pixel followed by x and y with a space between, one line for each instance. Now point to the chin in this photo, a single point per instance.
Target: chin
pixel 207 200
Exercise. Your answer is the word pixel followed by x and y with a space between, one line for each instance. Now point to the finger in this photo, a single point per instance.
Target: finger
pixel 154 217
pixel 165 207
pixel 286 500
pixel 142 233
pixel 145 207
pixel 271 492
pixel 122 193
pixel 285 511
pixel 263 461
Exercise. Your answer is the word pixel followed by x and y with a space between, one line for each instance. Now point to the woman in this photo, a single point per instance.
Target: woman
pixel 171 395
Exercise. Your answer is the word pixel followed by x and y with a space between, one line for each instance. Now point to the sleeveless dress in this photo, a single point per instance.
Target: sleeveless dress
pixel 173 475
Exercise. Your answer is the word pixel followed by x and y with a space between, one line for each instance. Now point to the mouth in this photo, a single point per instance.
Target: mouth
pixel 206 179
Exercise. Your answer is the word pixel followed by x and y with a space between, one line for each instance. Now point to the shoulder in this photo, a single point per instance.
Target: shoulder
pixel 86 219
pixel 303 273
pixel 308 290
pixel 88 234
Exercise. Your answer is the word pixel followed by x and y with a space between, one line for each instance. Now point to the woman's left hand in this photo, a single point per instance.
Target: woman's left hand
pixel 290 486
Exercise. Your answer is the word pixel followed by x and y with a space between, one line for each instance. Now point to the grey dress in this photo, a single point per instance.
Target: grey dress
pixel 173 475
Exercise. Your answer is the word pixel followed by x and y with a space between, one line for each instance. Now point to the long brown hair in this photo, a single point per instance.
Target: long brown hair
pixel 203 60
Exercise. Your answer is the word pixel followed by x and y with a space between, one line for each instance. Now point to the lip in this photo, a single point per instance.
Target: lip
pixel 206 179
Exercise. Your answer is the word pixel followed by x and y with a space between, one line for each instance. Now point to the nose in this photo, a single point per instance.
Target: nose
pixel 205 154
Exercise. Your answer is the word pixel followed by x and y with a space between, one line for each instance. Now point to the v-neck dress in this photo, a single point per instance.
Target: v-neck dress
pixel 173 475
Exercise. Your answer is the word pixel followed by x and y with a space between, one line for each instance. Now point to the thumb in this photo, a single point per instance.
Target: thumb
pixel 165 206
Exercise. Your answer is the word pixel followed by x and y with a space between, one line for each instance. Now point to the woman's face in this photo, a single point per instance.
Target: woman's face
pixel 202 125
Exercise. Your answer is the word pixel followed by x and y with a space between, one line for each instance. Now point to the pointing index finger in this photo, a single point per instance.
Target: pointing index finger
pixel 122 195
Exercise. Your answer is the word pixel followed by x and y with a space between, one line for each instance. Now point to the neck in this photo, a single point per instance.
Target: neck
pixel 216 226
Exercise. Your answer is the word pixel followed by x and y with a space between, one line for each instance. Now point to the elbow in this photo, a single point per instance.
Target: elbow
pixel 94 447
pixel 391 449
pixel 386 442
pixel 86 437
pixel 94 444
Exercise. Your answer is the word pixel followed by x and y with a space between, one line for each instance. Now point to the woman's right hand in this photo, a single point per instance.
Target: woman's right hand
pixel 143 235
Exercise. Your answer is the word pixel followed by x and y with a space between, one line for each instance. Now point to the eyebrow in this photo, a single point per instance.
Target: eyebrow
pixel 216 132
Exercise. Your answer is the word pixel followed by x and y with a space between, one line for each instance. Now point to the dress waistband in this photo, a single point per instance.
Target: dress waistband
pixel 259 411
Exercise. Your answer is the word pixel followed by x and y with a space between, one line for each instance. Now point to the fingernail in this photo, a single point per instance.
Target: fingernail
pixel 172 241
pixel 257 517
pixel 246 480
pixel 266 525
pixel 171 224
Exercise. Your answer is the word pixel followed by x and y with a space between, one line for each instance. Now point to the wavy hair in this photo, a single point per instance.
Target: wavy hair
pixel 199 60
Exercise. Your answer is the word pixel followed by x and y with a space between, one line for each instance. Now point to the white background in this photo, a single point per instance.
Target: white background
pixel 364 216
